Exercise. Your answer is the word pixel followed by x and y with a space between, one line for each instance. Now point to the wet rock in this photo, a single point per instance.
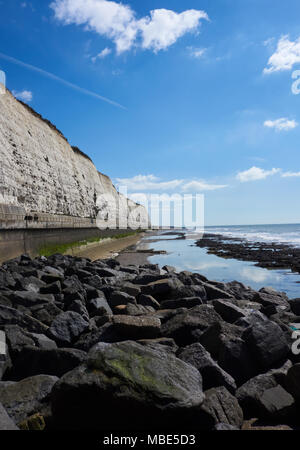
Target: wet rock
pixel 67 327
pixel 27 397
pixel 147 387
pixel 212 374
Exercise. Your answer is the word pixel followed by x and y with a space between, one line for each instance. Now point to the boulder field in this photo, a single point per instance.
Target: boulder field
pixel 100 346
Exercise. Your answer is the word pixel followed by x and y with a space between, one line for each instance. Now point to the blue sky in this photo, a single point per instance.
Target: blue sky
pixel 201 94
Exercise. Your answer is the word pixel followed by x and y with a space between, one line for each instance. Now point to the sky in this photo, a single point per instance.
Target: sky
pixel 170 97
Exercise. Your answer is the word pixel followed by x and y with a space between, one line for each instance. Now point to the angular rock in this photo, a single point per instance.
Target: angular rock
pixel 269 297
pixel 223 407
pixel 267 343
pixel 295 306
pixel 35 361
pixel 53 288
pixel 148 300
pixel 120 298
pixel 27 397
pixel 292 381
pixel 10 316
pixel 228 311
pixel 166 288
pixel 187 327
pixel 79 307
pixel 6 423
pixel 147 387
pixel 212 374
pixel 141 327
pixel 264 398
pixel 214 293
pixel 189 302
pixel 67 327
pixel 99 307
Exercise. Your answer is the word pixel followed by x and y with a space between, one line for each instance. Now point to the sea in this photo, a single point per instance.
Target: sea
pixel 185 255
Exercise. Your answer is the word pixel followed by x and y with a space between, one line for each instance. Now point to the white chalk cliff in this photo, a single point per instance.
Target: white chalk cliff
pixel 43 176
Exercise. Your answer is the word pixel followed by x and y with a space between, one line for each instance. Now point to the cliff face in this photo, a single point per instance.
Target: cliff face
pixel 42 176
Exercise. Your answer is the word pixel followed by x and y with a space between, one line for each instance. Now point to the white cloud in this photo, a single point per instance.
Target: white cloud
pixel 290 174
pixel 286 55
pixel 197 52
pixel 152 183
pixel 147 183
pixel 255 173
pixel 105 52
pixel 282 124
pixel 200 186
pixel 119 23
pixel 24 96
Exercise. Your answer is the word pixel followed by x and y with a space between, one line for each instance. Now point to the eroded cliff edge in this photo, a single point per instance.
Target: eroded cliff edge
pixel 46 183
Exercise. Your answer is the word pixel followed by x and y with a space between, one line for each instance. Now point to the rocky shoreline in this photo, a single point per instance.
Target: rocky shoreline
pixel 104 346
pixel 271 255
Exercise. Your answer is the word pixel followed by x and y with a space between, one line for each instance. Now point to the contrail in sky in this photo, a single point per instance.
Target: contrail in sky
pixel 60 80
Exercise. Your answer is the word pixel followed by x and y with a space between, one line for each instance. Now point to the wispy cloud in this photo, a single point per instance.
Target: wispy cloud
pixel 287 54
pixel 118 22
pixel 290 174
pixel 255 173
pixel 197 52
pixel 282 124
pixel 59 80
pixel 105 52
pixel 25 96
pixel 152 183
pixel 200 186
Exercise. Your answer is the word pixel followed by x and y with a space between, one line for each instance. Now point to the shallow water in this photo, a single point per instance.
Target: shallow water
pixel 185 255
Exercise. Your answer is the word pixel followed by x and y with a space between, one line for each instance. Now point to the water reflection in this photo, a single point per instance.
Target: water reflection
pixel 184 255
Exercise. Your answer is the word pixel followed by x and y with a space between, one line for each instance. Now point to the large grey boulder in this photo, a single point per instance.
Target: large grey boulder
pixel 128 385
pixel 268 344
pixel 67 327
pixel 187 327
pixel 27 397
